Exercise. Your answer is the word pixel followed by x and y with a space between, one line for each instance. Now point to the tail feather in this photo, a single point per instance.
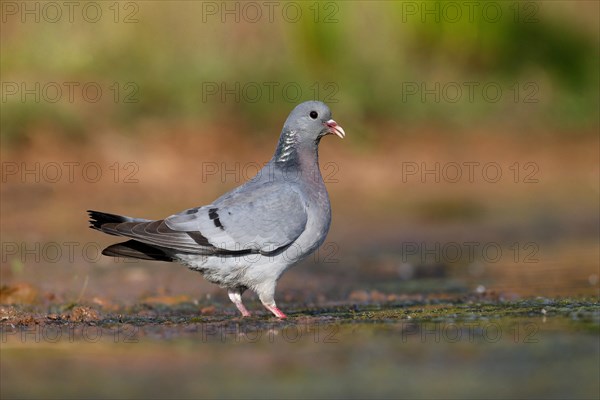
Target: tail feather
pixel 98 218
pixel 135 249
pixel 102 221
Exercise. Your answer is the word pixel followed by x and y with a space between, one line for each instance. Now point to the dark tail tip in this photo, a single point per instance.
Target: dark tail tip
pixel 98 218
pixel 135 249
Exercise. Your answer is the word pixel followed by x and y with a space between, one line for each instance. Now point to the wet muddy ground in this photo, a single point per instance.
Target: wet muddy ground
pixel 464 347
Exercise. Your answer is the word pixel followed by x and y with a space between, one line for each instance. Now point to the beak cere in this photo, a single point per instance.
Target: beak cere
pixel 334 128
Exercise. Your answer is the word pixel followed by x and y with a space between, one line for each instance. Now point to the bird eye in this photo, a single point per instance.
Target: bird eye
pixel 314 114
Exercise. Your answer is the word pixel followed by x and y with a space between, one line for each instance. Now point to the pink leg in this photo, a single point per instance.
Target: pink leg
pixel 236 298
pixel 278 313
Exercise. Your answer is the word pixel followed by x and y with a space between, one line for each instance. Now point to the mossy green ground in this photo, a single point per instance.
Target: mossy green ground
pixel 463 348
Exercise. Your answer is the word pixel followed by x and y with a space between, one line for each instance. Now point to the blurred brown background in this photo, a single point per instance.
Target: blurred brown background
pixel 466 192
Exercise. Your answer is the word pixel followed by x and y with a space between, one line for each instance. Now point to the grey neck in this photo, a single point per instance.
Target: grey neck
pixel 291 152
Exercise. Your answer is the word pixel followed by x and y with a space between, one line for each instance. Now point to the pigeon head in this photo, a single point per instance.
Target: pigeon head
pixel 310 121
pixel 303 130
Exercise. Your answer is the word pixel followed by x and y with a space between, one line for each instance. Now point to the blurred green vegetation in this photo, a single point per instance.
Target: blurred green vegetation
pixel 363 56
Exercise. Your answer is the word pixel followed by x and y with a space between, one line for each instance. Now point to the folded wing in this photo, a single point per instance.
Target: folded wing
pixel 263 220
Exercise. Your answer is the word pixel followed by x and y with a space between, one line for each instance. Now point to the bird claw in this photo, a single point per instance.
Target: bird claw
pixel 276 311
pixel 244 312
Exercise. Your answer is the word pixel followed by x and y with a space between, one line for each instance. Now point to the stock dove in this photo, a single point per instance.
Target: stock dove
pixel 249 236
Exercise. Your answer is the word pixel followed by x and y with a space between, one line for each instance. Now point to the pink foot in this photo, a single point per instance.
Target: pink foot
pixel 245 313
pixel 236 298
pixel 278 313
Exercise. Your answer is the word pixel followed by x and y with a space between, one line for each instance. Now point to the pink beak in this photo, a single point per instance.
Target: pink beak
pixel 335 129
